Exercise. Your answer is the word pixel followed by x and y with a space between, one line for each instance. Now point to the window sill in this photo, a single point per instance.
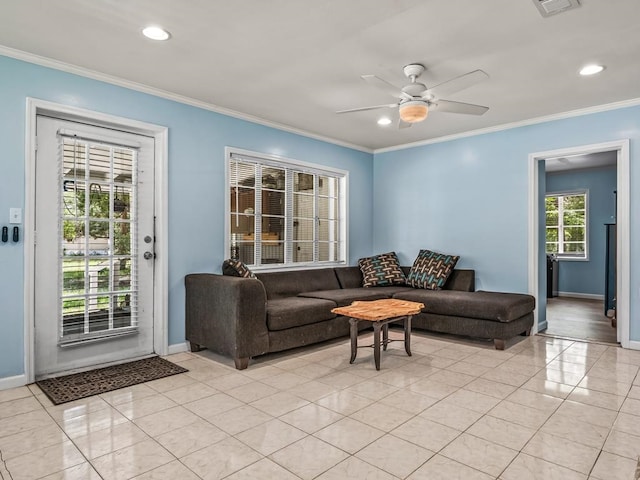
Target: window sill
pixel 297 266
pixel 572 259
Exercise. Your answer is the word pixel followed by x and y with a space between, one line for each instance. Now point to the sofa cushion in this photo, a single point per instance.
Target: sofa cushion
pixel 291 283
pixel 283 313
pixel 431 269
pixel 381 270
pixel 346 296
pixel 236 268
pixel 496 306
pixel 349 277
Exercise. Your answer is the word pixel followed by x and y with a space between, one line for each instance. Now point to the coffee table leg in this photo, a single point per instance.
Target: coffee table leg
pixel 354 338
pixel 385 336
pixel 376 344
pixel 407 335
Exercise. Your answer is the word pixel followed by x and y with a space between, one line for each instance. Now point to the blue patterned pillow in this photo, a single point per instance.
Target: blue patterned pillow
pixel 381 270
pixel 236 268
pixel 431 270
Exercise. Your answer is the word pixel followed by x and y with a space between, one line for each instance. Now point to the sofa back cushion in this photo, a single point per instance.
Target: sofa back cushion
pixel 349 277
pixel 460 279
pixel 291 283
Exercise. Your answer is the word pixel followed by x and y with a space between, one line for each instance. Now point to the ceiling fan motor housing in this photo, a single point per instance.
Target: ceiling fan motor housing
pixel 413 70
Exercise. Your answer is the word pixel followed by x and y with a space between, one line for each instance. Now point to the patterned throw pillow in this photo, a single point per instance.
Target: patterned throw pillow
pixel 236 268
pixel 431 270
pixel 381 270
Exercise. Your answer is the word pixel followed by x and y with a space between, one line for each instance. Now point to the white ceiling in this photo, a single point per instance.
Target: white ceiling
pixel 295 63
pixel 592 160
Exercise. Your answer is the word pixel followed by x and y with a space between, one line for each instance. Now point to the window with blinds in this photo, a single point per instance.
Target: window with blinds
pixel 97 233
pixel 283 212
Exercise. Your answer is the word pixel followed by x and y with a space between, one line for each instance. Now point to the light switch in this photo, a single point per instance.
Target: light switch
pixel 15 215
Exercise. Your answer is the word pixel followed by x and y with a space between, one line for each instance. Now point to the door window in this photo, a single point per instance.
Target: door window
pixel 98 234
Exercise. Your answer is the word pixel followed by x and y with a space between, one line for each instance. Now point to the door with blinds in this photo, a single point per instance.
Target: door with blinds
pixel 94 246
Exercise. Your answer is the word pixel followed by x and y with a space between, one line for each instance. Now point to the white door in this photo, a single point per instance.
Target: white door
pixel 94 240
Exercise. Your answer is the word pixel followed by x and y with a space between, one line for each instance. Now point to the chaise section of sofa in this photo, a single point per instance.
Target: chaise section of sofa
pixel 495 315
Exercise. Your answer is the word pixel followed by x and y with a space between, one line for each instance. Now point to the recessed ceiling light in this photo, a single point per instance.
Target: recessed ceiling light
pixel 156 33
pixel 591 69
pixel 384 121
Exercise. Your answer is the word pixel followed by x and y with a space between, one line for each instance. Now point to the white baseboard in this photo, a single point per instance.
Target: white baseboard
pixel 178 348
pixel 16 381
pixel 634 345
pixel 589 296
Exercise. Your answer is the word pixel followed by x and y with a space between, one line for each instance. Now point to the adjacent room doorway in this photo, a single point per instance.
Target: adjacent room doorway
pixel 537 256
pixel 580 206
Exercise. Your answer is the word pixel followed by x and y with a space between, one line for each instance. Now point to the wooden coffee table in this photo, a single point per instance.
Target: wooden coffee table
pixel 380 313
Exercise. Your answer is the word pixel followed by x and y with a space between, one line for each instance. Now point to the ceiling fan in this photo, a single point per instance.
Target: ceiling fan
pixel 416 99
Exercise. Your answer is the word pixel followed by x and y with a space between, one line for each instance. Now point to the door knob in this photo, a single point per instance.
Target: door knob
pixel 147 255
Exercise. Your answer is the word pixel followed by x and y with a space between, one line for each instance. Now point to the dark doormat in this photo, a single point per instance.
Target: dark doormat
pixel 80 385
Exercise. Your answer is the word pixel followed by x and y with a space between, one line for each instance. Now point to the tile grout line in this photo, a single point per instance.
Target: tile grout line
pixel 3 469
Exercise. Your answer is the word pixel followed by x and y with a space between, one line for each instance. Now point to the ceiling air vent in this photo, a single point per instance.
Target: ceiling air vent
pixel 551 7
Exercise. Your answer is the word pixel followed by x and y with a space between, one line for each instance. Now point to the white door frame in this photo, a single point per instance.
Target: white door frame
pixel 160 135
pixel 623 270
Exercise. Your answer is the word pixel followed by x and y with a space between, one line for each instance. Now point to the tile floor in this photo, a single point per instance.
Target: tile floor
pixel 543 409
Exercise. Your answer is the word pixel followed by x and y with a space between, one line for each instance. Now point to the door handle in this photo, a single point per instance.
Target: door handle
pixel 147 255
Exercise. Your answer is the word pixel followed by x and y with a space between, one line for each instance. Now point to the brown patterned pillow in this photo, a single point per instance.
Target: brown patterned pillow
pixel 381 270
pixel 431 270
pixel 236 268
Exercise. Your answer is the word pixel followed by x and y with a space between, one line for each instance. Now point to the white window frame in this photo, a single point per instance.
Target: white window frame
pixel 571 256
pixel 269 160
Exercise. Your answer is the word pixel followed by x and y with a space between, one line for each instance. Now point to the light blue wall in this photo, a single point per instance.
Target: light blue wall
pixel 197 139
pixel 587 276
pixel 469 196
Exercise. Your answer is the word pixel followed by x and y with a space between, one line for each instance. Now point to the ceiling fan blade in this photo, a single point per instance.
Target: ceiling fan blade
pixel 458 107
pixel 403 124
pixel 386 86
pixel 458 83
pixel 362 109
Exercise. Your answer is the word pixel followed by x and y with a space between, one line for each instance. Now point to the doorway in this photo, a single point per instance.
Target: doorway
pixel 537 240
pixel 94 264
pixel 580 210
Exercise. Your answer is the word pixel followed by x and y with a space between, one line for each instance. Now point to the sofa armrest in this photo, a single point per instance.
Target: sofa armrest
pixel 227 315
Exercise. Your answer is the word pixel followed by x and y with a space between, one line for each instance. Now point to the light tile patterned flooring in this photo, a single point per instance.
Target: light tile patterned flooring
pixel 543 409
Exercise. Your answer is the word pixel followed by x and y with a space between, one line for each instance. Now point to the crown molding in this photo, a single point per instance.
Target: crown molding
pixel 157 92
pixel 508 126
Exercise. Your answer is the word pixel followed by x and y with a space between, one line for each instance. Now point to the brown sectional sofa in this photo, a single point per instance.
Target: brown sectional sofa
pixel 246 317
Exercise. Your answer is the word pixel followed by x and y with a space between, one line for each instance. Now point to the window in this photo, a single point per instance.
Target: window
pixel 283 212
pixel 566 224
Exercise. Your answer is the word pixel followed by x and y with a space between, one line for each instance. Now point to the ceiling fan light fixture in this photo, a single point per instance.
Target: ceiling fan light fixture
pixel 413 111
